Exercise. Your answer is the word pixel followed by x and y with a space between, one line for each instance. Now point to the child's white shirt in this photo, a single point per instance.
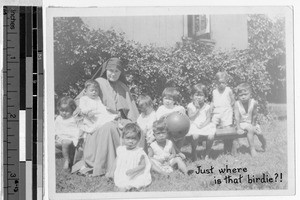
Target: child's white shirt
pixel 101 114
pixel 67 129
pixel 209 129
pixel 161 156
pixel 160 153
pixel 87 104
pixel 202 114
pixel 222 101
pixel 145 122
pixel 163 110
pixel 246 117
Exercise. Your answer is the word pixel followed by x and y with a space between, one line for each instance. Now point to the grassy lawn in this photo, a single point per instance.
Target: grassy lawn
pixel 273 161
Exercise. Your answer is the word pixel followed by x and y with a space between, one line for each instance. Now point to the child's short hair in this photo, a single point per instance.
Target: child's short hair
pixel 132 127
pixel 199 89
pixel 171 92
pixel 68 102
pixel 145 100
pixel 221 75
pixel 91 82
pixel 243 87
pixel 160 125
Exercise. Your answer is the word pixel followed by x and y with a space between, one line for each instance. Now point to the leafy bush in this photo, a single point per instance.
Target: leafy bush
pixel 267 44
pixel 80 51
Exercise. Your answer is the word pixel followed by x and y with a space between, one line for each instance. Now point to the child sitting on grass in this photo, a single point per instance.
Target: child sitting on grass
pixel 91 112
pixel 67 132
pixel 146 119
pixel 131 169
pixel 199 113
pixel 222 102
pixel 171 99
pixel 246 116
pixel 161 152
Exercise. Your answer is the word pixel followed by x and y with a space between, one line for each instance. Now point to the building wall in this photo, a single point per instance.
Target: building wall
pixel 161 30
pixel 229 31
pixel 226 30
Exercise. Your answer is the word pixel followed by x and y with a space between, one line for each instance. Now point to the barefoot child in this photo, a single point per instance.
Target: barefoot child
pixel 146 119
pixel 223 102
pixel 246 116
pixel 171 99
pixel 67 132
pixel 91 112
pixel 161 152
pixel 132 166
pixel 199 113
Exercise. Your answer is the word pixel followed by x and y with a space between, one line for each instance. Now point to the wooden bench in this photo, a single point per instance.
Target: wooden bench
pixel 228 135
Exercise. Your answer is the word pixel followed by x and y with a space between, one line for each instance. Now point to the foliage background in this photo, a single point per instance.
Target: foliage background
pixel 80 51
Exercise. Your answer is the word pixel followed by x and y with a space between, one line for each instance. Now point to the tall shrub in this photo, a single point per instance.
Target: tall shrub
pixel 149 68
pixel 267 44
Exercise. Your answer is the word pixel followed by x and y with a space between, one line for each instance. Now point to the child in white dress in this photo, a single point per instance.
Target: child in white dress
pixel 170 97
pixel 132 166
pixel 91 112
pixel 67 132
pixel 146 119
pixel 199 113
pixel 246 116
pixel 223 102
pixel 162 153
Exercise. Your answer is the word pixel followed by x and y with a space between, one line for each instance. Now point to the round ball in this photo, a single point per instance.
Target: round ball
pixel 178 124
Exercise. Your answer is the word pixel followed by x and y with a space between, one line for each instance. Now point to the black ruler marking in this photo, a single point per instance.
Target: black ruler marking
pixel 22 58
pixel 40 103
pixel 28 32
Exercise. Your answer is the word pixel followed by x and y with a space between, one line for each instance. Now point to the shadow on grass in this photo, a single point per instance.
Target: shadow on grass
pixel 214 154
pixel 217 150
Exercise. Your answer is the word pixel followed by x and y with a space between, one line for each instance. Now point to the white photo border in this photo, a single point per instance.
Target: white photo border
pixel 126 11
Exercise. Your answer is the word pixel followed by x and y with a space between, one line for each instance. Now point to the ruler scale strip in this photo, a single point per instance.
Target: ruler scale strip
pixel 11 101
pixel 23 103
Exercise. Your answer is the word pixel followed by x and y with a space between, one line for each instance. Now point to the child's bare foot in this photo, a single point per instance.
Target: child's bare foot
pixel 264 145
pixel 253 152
pixel 206 158
pixel 66 165
pixel 165 174
pixel 182 156
pixel 194 157
pixel 190 172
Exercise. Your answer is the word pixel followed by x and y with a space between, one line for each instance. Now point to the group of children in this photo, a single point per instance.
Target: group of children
pixel 146 145
pixel 74 122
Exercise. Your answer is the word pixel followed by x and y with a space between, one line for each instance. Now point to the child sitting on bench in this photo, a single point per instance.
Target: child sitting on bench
pixel 246 116
pixel 200 115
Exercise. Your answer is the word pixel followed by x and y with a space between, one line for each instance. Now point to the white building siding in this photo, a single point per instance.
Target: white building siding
pixel 160 30
pixel 227 31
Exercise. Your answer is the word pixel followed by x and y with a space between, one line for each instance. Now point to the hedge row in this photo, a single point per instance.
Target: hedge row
pixel 80 51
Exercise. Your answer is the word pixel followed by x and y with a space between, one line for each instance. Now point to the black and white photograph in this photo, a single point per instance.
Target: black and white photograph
pixel 169 102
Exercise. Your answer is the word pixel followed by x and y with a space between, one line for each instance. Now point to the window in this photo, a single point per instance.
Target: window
pixel 199 26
